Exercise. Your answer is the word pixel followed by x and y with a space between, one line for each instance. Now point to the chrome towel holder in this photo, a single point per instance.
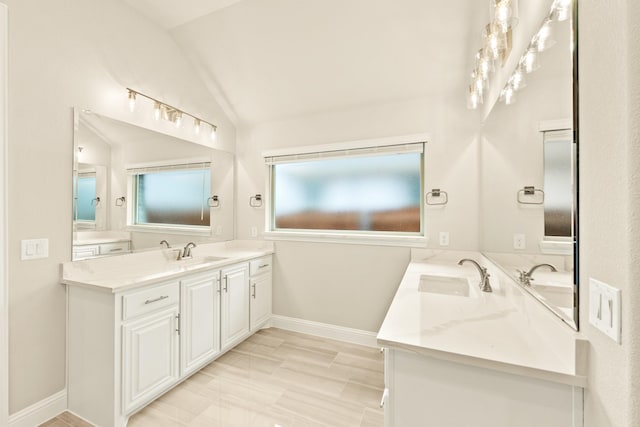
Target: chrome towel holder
pixel 436 193
pixel 529 190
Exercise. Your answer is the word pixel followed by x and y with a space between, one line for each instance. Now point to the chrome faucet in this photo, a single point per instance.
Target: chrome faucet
pixel 186 252
pixel 164 242
pixel 526 278
pixel 485 286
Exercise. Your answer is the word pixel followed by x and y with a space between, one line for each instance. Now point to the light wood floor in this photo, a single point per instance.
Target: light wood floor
pixel 275 378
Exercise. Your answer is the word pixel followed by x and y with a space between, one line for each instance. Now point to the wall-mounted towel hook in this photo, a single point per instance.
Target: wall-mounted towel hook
pixel 436 193
pixel 255 201
pixel 120 201
pixel 530 190
pixel 213 201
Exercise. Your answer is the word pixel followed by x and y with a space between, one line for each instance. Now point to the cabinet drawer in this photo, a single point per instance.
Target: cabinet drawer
pixel 260 265
pixel 114 248
pixel 85 251
pixel 150 299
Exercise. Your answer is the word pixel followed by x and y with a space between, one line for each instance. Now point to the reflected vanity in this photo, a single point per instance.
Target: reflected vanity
pixel 529 185
pixel 110 159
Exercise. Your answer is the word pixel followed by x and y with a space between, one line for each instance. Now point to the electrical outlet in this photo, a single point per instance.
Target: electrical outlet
pixel 219 230
pixel 254 231
pixel 519 241
pixel 604 308
pixel 444 238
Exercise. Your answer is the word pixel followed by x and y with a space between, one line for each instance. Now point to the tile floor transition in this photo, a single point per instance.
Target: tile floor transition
pixel 274 378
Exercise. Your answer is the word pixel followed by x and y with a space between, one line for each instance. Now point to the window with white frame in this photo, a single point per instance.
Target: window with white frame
pixel 364 191
pixel 173 196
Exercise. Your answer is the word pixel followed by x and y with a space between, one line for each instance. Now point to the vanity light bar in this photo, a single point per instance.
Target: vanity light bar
pixel 169 112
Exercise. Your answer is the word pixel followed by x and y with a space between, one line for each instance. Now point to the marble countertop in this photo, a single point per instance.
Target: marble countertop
pixel 128 271
pixel 489 330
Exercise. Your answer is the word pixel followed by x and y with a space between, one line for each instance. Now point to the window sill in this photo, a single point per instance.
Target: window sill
pixel 348 238
pixel 189 231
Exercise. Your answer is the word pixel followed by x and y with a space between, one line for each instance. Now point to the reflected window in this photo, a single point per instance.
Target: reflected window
pixel 86 197
pixel 558 184
pixel 359 191
pixel 172 195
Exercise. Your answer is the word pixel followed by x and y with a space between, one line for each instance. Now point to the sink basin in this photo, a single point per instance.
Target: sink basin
pixel 555 294
pixel 445 285
pixel 201 260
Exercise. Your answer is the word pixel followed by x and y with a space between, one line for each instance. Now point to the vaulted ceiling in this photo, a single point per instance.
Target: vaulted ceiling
pixel 268 60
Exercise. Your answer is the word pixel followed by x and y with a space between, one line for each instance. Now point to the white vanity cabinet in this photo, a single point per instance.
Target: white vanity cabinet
pixel 126 347
pixel 421 390
pixel 235 305
pixel 150 356
pixel 260 285
pixel 199 320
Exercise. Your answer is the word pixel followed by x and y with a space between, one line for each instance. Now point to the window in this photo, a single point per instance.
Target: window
pixel 86 197
pixel 171 196
pixel 373 191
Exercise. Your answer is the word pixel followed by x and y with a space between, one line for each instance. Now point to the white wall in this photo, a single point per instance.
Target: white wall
pixel 65 54
pixel 610 201
pixel 352 285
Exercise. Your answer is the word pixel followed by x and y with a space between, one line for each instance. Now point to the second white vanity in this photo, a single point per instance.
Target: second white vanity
pixel 139 324
pixel 456 356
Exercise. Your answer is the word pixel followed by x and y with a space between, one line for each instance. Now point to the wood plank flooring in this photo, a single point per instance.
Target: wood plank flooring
pixel 276 378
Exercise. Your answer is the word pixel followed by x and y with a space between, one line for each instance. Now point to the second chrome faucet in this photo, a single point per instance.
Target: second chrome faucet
pixel 485 286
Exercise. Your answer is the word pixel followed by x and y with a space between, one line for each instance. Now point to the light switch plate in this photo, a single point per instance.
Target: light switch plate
pixel 34 249
pixel 604 308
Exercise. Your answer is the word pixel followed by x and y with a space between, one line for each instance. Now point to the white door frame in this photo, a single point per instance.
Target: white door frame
pixel 4 282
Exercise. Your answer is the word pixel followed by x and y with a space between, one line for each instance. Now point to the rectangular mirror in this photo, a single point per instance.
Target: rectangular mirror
pixel 134 187
pixel 529 177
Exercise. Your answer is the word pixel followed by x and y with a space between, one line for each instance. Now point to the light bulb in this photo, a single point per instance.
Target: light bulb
pixel 543 38
pixel 213 133
pixel 509 95
pixel 132 100
pixel 156 110
pixel 563 8
pixel 530 61
pixel 517 80
pixel 502 14
pixel 196 126
pixel 178 119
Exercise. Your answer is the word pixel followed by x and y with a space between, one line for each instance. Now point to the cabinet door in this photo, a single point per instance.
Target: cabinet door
pixel 150 357
pixel 199 320
pixel 260 301
pixel 235 305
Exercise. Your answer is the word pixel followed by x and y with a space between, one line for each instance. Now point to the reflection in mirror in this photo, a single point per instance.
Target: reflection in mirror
pixel 558 184
pixel 528 180
pixel 133 187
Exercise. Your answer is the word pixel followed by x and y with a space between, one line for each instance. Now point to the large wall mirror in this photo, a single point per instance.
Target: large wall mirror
pixel 134 187
pixel 529 178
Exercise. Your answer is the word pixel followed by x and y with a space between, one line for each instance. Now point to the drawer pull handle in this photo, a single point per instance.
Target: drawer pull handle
pixel 160 298
pixel 115 250
pixel 226 284
pixel 264 266
pixel 254 291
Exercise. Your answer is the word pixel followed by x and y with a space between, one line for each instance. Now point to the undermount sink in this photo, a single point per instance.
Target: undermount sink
pixel 200 260
pixel 445 285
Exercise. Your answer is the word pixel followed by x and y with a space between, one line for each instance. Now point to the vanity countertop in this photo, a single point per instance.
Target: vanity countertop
pixel 496 330
pixel 124 272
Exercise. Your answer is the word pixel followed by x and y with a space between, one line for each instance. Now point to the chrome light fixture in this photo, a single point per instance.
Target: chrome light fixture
pixel 496 46
pixel 541 41
pixel 162 110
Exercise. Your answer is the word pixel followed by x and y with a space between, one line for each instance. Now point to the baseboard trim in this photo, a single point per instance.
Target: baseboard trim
pixel 325 330
pixel 40 412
